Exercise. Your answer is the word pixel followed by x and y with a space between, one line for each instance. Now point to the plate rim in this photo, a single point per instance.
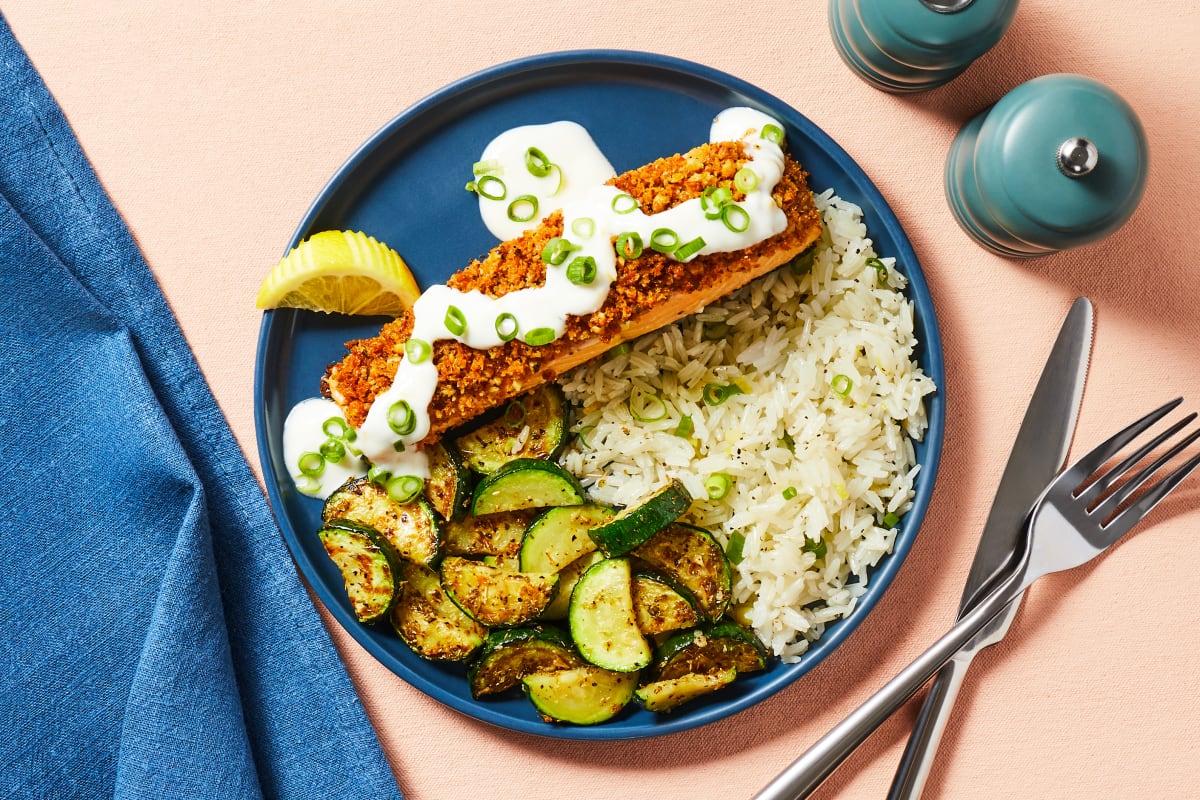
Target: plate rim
pixel 917 293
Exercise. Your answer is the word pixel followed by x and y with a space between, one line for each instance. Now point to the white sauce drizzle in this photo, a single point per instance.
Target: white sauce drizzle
pixel 303 433
pixel 583 197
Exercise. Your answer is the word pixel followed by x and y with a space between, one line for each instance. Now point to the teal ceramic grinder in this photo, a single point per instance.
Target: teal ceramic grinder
pixel 1059 162
pixel 914 45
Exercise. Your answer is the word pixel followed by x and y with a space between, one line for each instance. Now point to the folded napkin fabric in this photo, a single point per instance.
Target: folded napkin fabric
pixel 157 642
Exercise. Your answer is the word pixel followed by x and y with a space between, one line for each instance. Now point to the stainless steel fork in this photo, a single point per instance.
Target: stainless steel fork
pixel 1079 515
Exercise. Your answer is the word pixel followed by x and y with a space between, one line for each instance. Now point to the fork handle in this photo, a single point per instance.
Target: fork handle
pixel 810 770
pixel 922 747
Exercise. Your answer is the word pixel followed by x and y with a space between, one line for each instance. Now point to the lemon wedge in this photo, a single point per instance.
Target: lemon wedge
pixel 340 272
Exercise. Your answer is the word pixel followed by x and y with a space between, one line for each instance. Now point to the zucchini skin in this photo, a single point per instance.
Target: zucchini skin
pixel 725 645
pixel 369 567
pixel 430 624
pixel 511 654
pixel 526 483
pixel 448 487
pixel 602 621
pixel 546 414
pixel 695 564
pixel 412 529
pixel 633 526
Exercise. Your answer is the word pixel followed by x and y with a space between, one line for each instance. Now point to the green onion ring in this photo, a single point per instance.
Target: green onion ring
pixel 456 321
pixel 688 249
pixel 734 550
pixel 418 350
pixel 336 428
pixel 401 418
pixel 817 548
pixel 484 167
pixel 841 384
pixel 717 485
pixel 494 194
pixel 746 180
pixel 523 209
pixel 646 407
pixel 507 327
pixel 715 394
pixel 537 163
pixel 404 488
pixel 517 420
pixel 333 451
pixel 772 133
pixel 736 218
pixel 378 474
pixel 664 240
pixel 881 271
pixel 583 227
pixel 311 464
pixel 789 493
pixel 556 251
pixel 540 336
pixel 581 435
pixel 629 245
pixel 685 428
pixel 582 271
pixel 624 203
pixel 890 520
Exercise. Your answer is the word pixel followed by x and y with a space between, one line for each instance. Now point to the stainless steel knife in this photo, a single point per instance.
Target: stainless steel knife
pixel 1039 453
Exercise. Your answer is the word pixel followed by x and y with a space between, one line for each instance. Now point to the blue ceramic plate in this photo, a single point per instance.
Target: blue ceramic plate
pixel 405 187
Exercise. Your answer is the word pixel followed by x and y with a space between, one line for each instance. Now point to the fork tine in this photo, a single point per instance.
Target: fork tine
pixel 1093 461
pixel 1097 488
pixel 1120 524
pixel 1114 501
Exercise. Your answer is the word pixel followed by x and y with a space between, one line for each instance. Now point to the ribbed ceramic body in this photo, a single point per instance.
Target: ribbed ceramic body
pixel 1004 182
pixel 906 46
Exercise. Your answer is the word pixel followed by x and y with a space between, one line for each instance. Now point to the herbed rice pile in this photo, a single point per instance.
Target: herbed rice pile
pixel 818 444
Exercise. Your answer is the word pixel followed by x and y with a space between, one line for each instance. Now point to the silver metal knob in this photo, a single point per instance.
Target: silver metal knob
pixel 946 6
pixel 1077 157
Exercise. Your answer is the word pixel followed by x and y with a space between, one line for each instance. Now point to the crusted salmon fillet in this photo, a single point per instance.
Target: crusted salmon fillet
pixel 650 291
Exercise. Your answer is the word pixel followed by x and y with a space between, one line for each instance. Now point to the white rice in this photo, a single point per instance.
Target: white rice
pixel 853 460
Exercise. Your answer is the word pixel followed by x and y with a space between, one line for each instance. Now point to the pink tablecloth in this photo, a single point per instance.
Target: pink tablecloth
pixel 214 125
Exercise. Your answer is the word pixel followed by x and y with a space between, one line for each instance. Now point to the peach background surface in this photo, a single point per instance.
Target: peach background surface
pixel 214 125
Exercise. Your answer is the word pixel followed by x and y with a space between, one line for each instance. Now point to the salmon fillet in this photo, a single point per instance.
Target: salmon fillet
pixel 649 292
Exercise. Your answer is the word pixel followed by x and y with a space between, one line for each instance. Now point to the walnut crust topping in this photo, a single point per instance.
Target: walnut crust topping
pixel 473 381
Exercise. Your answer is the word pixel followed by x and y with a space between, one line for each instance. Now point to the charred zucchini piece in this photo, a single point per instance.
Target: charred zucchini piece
pixel 429 623
pixel 602 620
pixel 534 425
pixel 490 535
pixel 370 570
pixel 510 655
pixel 568 577
pixel 505 561
pixel 670 694
pixel 411 529
pixel 634 525
pixel 526 483
pixel 448 487
pixel 559 536
pixel 690 558
pixel 725 645
pixel 494 596
pixel 658 607
pixel 583 695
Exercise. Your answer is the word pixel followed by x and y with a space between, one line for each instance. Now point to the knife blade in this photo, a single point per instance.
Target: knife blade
pixel 1038 454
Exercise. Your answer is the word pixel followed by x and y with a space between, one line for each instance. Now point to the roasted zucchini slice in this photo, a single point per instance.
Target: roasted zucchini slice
pixel 412 529
pixel 429 623
pixel 497 597
pixel 602 620
pixel 534 425
pixel 369 567
pixel 690 558
pixel 703 651
pixel 490 535
pixel 448 487
pixel 559 536
pixel 526 483
pixel 583 695
pixel 658 607
pixel 568 577
pixel 634 525
pixel 511 654
pixel 670 694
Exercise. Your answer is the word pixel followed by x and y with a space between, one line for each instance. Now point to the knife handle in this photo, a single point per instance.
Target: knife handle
pixel 922 747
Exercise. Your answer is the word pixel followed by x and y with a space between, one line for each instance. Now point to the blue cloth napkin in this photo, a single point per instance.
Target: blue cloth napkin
pixel 155 640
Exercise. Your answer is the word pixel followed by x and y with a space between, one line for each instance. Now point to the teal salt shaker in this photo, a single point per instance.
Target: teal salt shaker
pixel 1058 162
pixel 913 45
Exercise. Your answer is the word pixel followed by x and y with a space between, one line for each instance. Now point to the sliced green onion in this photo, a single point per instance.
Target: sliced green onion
pixel 582 271
pixel 507 327
pixel 537 163
pixel 772 133
pixel 881 271
pixel 489 186
pixel 378 474
pixel 401 418
pixel 398 446
pixel 556 251
pixel 333 451
pixel 689 249
pixel 456 321
pixel 715 394
pixel 619 350
pixel 686 427
pixel 717 485
pixel 629 245
pixel 802 264
pixel 713 199
pixel 624 203
pixel 787 441
pixel 789 493
pixel 539 336
pixel 746 180
pixel 514 415
pixel 715 331
pixel 841 384
pixel 817 548
pixel 734 550
pixel 523 209
pixel 311 464
pixel 484 167
pixel 404 488
pixel 418 350
pixel 583 227
pixel 664 240
pixel 581 435
pixel 308 485
pixel 736 218
pixel 890 520
pixel 336 428
pixel 646 407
